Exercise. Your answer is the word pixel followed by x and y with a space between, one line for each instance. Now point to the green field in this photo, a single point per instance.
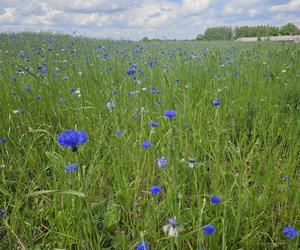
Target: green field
pixel 245 150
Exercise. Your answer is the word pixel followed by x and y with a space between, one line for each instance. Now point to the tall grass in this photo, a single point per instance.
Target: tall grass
pixel 246 150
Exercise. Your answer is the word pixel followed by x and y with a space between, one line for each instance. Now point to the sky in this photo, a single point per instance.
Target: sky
pixel 134 19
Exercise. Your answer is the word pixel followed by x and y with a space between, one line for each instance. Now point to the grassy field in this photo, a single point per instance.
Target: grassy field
pixel 235 136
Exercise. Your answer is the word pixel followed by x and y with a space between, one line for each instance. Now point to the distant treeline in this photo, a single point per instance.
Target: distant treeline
pixel 227 33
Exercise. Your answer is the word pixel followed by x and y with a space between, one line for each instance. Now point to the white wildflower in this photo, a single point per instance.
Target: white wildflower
pixel 171 228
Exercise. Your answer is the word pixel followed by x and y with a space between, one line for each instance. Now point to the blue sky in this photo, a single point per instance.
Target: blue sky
pixel 133 19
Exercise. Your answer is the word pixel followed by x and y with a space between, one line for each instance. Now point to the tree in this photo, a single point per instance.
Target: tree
pixel 200 37
pixel 145 39
pixel 218 34
pixel 227 33
pixel 289 29
pixel 273 31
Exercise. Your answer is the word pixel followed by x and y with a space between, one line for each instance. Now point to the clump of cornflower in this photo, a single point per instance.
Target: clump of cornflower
pixel 119 132
pixel 171 228
pixel 154 90
pixel 155 190
pixel 142 246
pixel 162 162
pixel 71 168
pixel 131 71
pixel 146 144
pixel 170 114
pixel 216 102
pixel 72 139
pixel 215 200
pixel 105 56
pixel 3 139
pixel 153 124
pixel 290 232
pixel 209 229
pixel 1 212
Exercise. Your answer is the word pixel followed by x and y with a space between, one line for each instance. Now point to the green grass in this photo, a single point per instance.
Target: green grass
pixel 243 148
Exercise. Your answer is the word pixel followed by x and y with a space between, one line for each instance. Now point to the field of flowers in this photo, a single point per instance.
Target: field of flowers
pixel 157 145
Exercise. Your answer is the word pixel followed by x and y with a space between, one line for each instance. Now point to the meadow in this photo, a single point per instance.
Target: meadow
pixel 148 145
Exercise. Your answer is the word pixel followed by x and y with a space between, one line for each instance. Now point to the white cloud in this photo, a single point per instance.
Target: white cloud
pixel 230 9
pixel 8 16
pixel 137 18
pixel 194 6
pixel 253 12
pixel 283 18
pixel 291 6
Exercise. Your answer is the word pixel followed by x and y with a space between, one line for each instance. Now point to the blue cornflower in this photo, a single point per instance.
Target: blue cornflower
pixel 170 114
pixel 131 71
pixel 142 246
pixel 27 88
pixel 62 100
pixel 44 71
pixel 235 73
pixel 146 144
pixel 3 139
pixel 72 89
pixel 215 200
pixel 153 124
pixel 71 168
pixel 71 139
pixel 39 67
pixel 290 232
pixel 119 132
pixel 216 102
pixel 1 212
pixel 155 190
pixel 105 56
pixel 162 162
pixel 68 168
pixel 74 167
pixel 209 229
pixel 131 93
pixel 38 98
